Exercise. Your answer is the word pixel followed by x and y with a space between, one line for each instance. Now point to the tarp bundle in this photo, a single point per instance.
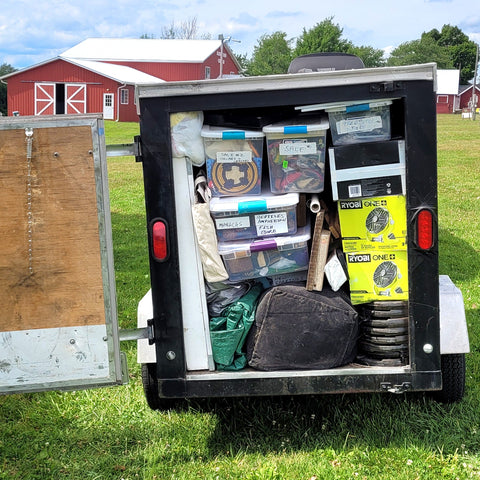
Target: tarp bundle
pixel 229 331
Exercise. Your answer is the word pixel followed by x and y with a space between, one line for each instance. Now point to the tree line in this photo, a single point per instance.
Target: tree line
pixel 272 54
pixel 449 48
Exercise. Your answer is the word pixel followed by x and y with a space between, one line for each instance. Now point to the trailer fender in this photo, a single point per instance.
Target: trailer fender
pixel 453 324
pixel 145 352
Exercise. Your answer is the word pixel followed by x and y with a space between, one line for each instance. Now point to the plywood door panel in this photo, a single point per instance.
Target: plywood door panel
pixel 50 262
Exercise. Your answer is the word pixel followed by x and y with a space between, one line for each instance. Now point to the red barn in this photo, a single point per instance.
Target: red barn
pixel 99 75
pixel 465 94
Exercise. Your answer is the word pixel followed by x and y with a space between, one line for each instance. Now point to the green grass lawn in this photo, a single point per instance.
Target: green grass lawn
pixel 110 433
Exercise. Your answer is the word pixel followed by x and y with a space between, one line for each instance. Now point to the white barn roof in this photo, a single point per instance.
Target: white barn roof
pixel 120 73
pixel 143 50
pixel 448 82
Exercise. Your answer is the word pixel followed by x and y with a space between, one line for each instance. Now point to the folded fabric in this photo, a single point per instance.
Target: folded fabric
pixel 213 267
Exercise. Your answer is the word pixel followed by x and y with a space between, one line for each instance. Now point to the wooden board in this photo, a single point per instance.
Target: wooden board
pixel 318 254
pixel 50 262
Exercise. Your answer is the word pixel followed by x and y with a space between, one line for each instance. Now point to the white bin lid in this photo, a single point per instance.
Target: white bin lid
pixel 221 133
pixel 257 203
pixel 297 126
pixel 302 236
pixel 343 106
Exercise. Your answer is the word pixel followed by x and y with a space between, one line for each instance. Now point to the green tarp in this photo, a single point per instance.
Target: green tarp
pixel 229 331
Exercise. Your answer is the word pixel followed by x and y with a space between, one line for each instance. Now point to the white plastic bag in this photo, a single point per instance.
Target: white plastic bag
pixel 186 139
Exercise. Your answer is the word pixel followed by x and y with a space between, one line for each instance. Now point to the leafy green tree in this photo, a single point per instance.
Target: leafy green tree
pixel 5 69
pixel 325 36
pixel 271 55
pixel 371 57
pixel 460 49
pixel 424 50
pixel 463 57
pixel 243 61
pixel 451 36
pixel 434 34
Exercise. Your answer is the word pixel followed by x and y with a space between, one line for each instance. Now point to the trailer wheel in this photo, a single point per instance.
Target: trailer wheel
pixel 150 385
pixel 453 378
pixel 150 388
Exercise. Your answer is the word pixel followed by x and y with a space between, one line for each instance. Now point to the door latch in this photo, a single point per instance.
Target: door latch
pixel 388 387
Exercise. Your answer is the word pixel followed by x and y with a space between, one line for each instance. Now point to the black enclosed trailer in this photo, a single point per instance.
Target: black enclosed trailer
pixel 178 363
pixel 59 325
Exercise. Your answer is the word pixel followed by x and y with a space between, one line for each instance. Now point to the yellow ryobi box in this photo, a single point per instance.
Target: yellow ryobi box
pixel 375 275
pixel 377 223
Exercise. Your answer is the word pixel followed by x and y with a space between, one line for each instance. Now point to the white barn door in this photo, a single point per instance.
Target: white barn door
pixel 75 98
pixel 44 99
pixel 108 106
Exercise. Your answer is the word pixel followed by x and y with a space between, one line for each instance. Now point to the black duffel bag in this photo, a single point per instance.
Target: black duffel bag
pixel 299 329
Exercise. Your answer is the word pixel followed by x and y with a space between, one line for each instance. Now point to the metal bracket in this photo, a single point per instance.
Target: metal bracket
pixel 138 333
pixel 126 149
pixel 388 387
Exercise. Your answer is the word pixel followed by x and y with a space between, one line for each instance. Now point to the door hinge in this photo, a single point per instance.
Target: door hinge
pixel 386 87
pixel 389 387
pixel 138 148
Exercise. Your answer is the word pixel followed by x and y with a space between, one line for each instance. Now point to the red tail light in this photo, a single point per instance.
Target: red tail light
pixel 425 229
pixel 159 240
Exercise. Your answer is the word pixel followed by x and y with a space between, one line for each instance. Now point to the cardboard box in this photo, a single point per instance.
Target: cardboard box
pixel 233 160
pixel 377 223
pixel 296 156
pixel 377 275
pixel 368 170
pixel 268 215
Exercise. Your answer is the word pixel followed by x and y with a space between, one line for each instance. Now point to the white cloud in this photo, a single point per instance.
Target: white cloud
pixel 33 31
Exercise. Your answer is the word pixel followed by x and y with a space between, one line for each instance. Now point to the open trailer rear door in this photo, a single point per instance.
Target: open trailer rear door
pixel 58 321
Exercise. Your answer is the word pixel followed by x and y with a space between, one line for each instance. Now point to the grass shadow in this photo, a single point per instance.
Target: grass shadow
pixel 342 423
pixel 457 258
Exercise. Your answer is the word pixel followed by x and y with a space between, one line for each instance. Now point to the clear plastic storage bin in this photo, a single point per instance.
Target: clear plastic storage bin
pixel 360 122
pixel 266 257
pixel 233 161
pixel 296 156
pixel 268 215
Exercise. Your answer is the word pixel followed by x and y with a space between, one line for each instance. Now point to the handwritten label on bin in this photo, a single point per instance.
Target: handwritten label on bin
pixel 271 223
pixel 363 124
pixel 297 148
pixel 234 157
pixel 232 223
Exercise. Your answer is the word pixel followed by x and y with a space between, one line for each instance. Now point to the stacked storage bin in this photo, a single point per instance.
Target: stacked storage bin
pixel 368 181
pixel 256 230
pixel 296 156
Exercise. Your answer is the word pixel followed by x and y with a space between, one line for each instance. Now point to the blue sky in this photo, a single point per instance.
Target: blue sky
pixel 32 31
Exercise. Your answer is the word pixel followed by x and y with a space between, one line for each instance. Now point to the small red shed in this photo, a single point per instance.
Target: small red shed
pixel 99 75
pixel 465 94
